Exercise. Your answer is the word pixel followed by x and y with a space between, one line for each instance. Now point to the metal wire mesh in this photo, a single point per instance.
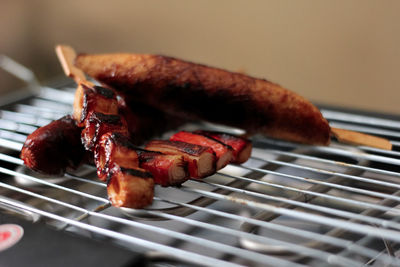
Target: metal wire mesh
pixel 289 204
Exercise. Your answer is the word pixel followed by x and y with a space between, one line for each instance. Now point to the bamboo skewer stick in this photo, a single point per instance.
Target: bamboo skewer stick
pixel 66 56
pixel 356 138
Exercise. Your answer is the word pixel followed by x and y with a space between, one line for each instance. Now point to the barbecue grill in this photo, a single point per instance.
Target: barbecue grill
pixel 289 205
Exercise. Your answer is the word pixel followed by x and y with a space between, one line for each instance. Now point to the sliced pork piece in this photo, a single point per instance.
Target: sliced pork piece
pixel 223 152
pixel 93 99
pixel 130 188
pixel 97 124
pixel 241 146
pixel 201 160
pixel 166 169
pixel 114 148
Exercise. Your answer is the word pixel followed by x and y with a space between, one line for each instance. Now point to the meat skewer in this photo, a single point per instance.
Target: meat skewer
pixel 201 159
pixel 53 148
pixel 126 187
pixel 197 91
pixel 106 133
pixel 96 108
pixel 241 146
pixel 223 152
pixel 200 92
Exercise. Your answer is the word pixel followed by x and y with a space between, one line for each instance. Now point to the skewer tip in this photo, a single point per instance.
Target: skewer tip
pixel 356 138
pixel 66 55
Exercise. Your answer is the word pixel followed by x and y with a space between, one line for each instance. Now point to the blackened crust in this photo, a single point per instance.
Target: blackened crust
pixel 137 173
pixel 202 133
pixel 122 140
pixel 107 93
pixel 147 155
pixel 97 117
pixel 184 147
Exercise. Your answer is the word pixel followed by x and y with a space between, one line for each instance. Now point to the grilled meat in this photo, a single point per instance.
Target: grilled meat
pixel 114 148
pixel 166 169
pixel 96 108
pixel 223 152
pixel 130 187
pixel 54 147
pixel 97 124
pixel 201 160
pixel 196 91
pixel 241 146
pixel 93 99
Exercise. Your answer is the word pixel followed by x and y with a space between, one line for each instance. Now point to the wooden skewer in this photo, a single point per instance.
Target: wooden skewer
pixel 67 55
pixel 356 138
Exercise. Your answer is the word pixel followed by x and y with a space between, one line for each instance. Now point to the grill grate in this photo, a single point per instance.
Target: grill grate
pixel 288 205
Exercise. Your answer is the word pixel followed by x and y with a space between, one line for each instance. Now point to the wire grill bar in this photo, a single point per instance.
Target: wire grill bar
pixel 169 216
pixel 335 150
pixel 360 119
pixel 240 234
pixel 337 212
pixel 329 172
pixel 357 228
pixel 333 162
pixel 337 186
pixel 337 190
pixel 180 254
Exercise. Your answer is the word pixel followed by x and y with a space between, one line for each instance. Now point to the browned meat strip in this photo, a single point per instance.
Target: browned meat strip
pixel 166 169
pixel 241 146
pixel 97 124
pixel 93 99
pixel 201 92
pixel 114 148
pixel 201 160
pixel 223 152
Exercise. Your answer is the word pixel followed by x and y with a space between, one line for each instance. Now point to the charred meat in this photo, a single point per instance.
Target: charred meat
pixel 201 159
pixel 197 91
pixel 98 124
pixel 114 148
pixel 166 169
pixel 241 146
pixel 223 152
pixel 130 187
pixel 93 99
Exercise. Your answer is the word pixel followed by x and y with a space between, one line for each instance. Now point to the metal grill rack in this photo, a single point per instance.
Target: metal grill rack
pixel 288 205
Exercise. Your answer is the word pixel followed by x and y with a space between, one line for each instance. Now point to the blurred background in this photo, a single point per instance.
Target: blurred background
pixel 344 53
